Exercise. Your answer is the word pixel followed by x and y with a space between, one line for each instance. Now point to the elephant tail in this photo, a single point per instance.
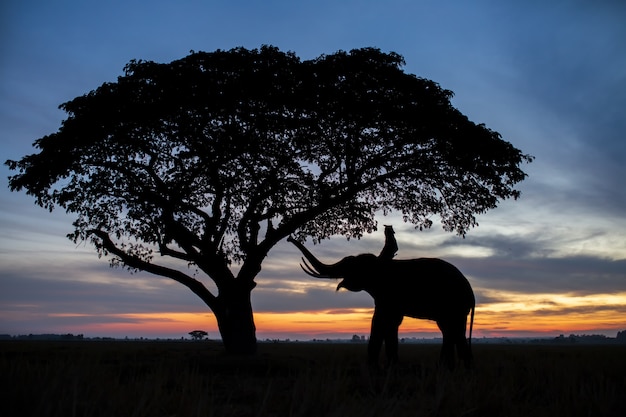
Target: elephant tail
pixel 469 341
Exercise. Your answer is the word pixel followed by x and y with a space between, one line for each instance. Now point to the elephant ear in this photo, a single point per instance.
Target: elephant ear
pixel 358 271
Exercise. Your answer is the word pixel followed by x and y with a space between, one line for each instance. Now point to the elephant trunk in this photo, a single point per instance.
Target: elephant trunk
pixel 317 268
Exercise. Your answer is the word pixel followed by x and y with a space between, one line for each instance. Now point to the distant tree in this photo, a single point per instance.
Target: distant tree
pixel 198 334
pixel 214 158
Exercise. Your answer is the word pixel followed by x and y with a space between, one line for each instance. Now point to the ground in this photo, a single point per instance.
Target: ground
pixel 86 378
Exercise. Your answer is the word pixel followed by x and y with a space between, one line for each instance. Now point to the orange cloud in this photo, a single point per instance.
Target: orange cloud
pixel 513 314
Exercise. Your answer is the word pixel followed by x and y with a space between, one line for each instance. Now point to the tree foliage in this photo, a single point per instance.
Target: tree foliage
pixel 215 157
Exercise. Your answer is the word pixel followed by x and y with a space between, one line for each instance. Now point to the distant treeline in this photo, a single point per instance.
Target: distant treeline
pixel 592 338
pixel 50 336
pixel 561 339
pixel 68 336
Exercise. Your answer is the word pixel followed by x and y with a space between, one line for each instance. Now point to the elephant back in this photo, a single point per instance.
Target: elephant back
pixel 424 286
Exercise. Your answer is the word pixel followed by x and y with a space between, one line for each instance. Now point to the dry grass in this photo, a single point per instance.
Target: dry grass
pixel 196 379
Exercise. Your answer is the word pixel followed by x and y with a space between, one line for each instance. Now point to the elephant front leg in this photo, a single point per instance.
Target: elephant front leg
pixel 376 340
pixel 384 329
pixel 391 337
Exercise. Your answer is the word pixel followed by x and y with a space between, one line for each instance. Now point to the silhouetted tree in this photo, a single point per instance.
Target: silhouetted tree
pixel 214 158
pixel 198 334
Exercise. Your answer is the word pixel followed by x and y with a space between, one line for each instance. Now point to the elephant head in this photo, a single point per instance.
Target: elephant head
pixel 356 272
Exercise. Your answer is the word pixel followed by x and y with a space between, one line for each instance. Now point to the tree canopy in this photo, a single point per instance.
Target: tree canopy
pixel 216 157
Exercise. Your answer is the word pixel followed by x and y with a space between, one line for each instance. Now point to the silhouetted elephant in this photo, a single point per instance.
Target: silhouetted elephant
pixel 424 288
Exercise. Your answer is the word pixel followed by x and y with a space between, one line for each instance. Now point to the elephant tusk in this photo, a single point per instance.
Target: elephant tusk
pixel 314 275
pixel 310 270
pixel 308 267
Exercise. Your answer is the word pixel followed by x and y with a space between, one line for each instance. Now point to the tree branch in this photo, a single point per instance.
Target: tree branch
pixel 132 261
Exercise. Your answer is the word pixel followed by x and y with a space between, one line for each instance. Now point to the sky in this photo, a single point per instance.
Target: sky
pixel 549 76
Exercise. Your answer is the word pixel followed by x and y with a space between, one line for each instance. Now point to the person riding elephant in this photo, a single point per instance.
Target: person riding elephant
pixel 391 246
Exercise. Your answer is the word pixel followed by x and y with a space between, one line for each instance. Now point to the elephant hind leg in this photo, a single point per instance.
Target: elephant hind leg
pixel 446 356
pixel 463 348
pixel 453 331
pixel 465 352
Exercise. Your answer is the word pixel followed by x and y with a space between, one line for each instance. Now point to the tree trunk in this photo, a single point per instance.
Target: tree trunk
pixel 236 320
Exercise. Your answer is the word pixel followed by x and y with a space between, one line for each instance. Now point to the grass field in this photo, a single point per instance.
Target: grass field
pixel 197 379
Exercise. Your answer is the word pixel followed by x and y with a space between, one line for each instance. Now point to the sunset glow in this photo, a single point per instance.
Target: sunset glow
pixel 516 315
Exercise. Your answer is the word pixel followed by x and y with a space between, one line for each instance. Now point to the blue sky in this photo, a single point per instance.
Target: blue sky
pixel 549 76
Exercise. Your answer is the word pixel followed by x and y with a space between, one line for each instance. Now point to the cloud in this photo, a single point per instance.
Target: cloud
pixel 580 275
pixel 94 291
